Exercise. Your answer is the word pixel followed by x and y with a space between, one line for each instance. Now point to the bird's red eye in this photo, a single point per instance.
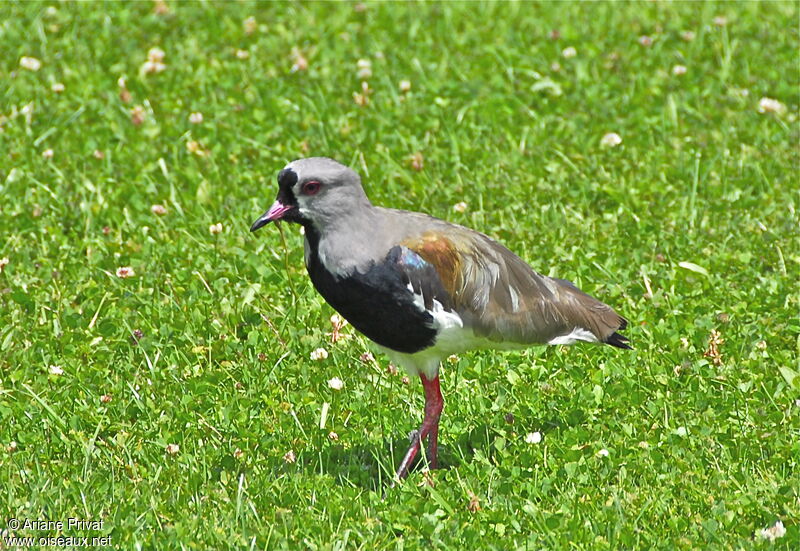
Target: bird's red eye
pixel 311 188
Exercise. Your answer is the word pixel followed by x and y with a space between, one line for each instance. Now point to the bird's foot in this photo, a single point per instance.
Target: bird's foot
pixel 429 428
pixel 416 439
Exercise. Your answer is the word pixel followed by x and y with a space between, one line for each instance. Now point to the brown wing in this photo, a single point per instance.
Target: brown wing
pixel 503 299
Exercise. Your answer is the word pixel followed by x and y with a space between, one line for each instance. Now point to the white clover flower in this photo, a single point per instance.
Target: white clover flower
pixel 533 437
pixel 289 457
pixel 336 383
pixel 679 70
pixel 300 61
pixel 195 148
pixel 160 210
pixel 215 229
pixel 362 100
pixel 319 354
pixel 337 320
pixel 611 139
pixel 160 7
pixel 47 154
pixel 56 370
pixel 250 25
pixel 769 105
pixel 242 54
pixel 155 54
pixel 154 63
pixel 364 68
pixel 417 161
pixel 57 87
pixel 138 115
pixel 602 453
pixel 196 118
pixel 405 86
pixel 30 63
pixel 172 449
pixel 773 532
pixel 124 272
pixel 461 206
pixel 569 52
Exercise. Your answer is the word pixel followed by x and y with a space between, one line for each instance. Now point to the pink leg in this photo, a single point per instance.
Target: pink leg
pixel 430 426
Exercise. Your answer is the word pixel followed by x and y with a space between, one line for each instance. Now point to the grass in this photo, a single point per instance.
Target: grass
pixel 689 226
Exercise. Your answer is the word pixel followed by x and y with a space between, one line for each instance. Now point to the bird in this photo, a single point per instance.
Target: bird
pixel 422 288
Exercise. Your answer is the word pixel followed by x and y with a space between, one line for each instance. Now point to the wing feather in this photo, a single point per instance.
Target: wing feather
pixel 502 298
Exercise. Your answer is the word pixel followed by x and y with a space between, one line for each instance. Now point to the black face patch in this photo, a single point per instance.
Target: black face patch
pixel 287 178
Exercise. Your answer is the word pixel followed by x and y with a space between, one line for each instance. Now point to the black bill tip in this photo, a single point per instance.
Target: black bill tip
pixel 260 223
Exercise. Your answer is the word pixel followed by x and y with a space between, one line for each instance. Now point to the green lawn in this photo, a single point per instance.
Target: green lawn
pixel 182 405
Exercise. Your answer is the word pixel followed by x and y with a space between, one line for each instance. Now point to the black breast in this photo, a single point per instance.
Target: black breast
pixel 377 303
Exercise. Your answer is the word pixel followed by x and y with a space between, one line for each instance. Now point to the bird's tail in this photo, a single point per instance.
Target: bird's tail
pixel 618 340
pixel 587 312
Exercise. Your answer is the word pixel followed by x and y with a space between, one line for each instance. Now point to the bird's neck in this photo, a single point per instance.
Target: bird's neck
pixel 347 244
pixel 312 235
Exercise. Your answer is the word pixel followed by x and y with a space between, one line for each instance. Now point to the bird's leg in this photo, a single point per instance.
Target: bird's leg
pixel 430 426
pixel 433 411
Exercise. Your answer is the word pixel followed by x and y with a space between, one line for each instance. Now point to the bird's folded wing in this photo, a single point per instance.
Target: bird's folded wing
pixel 420 278
pixel 503 299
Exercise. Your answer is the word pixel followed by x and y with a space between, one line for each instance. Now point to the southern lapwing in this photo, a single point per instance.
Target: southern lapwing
pixel 422 288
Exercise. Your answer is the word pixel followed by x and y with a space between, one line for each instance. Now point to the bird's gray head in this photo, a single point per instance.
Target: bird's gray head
pixel 315 191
